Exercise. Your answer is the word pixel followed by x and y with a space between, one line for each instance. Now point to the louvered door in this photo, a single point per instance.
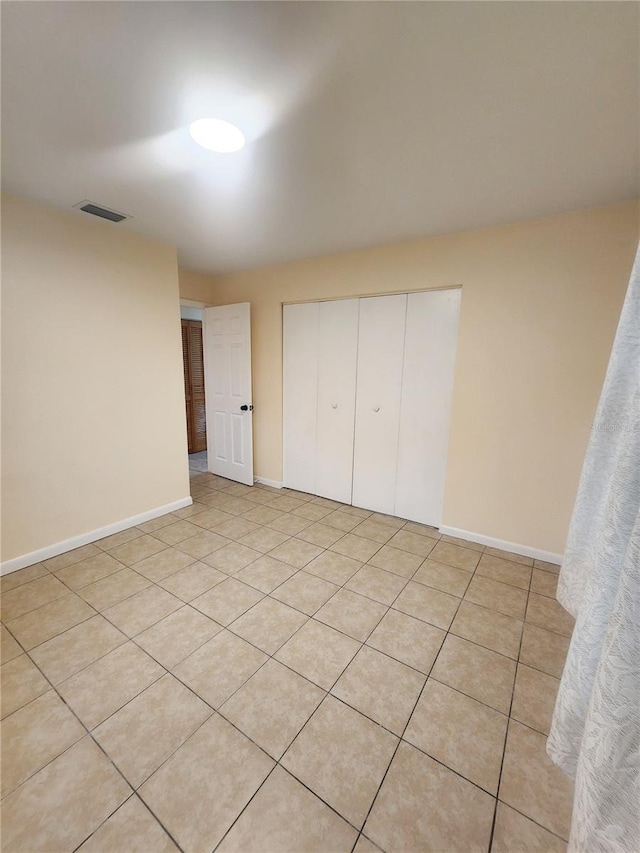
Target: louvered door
pixel 192 356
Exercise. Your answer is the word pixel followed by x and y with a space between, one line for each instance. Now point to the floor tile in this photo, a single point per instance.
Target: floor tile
pixel 264 539
pixel 113 589
pixel 289 524
pixel 397 561
pixel 425 806
pixel 34 736
pixel 211 517
pixel 177 636
pixel 21 682
pixel 390 520
pixel 164 564
pixel 262 514
pixel 319 653
pixel 463 543
pixel 342 756
pixel 265 573
pixel 547 567
pixel 311 511
pixel 89 571
pixel 176 532
pixel 109 683
pixel 138 549
pixel 422 529
pixel 296 553
pixel 443 577
pixel 341 521
pixel 237 506
pixel 68 653
pixel 30 596
pixel 132 828
pixel 305 592
pixel 413 543
pixel 376 583
pixel 143 734
pixel 227 600
pixel 268 624
pixel 192 581
pixel 515 833
pixel 352 614
pixel 232 557
pixel 285 817
pixel 509 555
pixel 61 801
pixel 408 640
pixel 139 612
pixel 454 555
pixel 272 706
pixel 544 583
pixel 159 522
pixel 483 674
pixel 333 567
pixel 461 733
pixel 544 650
pixel 356 547
pixel 22 576
pixel 51 619
pixel 381 688
pixel 365 846
pixel 504 571
pixel 320 534
pixel 534 698
pixel 120 538
pixel 70 557
pixel 430 605
pixel 212 776
pixel 219 667
pixel 376 530
pixel 546 613
pixel 202 544
pixel 497 596
pixel 532 784
pixel 237 527
pixel 9 648
pixel 487 628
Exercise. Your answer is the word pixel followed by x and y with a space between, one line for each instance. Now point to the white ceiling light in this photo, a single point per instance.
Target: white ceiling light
pixel 217 135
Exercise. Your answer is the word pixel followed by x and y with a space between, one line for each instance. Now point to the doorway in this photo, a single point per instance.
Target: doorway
pixel 194 384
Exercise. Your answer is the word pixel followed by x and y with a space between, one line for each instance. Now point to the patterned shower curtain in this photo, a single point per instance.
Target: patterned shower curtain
pixel 595 735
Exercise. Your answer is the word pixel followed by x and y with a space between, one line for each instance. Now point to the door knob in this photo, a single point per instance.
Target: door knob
pixel 334 405
pixel 246 408
pixel 376 408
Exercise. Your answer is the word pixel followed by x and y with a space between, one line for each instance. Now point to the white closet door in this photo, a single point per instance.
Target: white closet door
pixel 300 342
pixel 338 349
pixel 425 414
pixel 379 381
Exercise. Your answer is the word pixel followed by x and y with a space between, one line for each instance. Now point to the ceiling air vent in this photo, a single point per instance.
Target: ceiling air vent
pixel 102 212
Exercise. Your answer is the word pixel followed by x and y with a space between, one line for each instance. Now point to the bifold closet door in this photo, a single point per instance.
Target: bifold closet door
pixel 337 356
pixel 425 411
pixel 300 390
pixel 379 384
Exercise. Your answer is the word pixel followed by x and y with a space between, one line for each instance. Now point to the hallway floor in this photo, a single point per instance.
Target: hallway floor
pixel 269 671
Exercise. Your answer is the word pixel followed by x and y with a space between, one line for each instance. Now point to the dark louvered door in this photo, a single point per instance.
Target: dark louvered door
pixel 194 384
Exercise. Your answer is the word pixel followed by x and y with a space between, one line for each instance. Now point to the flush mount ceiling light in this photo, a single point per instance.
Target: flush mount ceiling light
pixel 217 135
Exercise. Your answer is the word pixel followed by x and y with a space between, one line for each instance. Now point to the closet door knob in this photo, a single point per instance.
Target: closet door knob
pixel 376 408
pixel 334 405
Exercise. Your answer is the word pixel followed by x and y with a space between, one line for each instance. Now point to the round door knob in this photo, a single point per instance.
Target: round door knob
pixel 334 405
pixel 376 408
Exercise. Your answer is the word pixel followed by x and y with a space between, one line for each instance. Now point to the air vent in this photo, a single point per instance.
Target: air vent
pixel 102 212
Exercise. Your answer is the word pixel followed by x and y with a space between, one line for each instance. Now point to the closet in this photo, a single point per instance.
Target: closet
pixel 193 370
pixel 367 399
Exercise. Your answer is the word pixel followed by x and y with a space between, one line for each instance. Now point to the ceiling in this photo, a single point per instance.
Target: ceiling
pixel 367 123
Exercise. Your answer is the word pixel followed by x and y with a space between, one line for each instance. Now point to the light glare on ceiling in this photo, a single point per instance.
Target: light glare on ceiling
pixel 217 135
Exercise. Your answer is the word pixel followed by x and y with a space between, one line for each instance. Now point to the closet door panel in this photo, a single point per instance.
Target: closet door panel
pixel 338 348
pixel 300 391
pixel 427 387
pixel 379 380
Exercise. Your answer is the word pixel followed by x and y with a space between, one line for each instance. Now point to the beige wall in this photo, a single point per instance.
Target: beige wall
pixel 540 304
pixel 93 424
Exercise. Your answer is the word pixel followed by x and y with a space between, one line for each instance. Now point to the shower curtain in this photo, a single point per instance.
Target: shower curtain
pixel 595 734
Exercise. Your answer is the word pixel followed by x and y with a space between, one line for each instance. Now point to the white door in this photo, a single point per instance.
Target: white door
pixel 379 384
pixel 425 413
pixel 226 337
pixel 300 395
pixel 337 358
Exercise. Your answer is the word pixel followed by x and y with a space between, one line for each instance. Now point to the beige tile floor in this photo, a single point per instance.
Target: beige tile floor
pixel 269 671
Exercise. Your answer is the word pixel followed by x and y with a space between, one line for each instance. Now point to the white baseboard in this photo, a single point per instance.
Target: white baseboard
pixel 92 536
pixel 502 544
pixel 263 480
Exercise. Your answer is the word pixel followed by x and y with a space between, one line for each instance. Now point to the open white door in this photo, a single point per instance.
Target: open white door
pixel 226 337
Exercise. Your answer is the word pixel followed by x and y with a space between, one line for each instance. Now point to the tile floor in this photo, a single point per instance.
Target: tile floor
pixel 269 671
